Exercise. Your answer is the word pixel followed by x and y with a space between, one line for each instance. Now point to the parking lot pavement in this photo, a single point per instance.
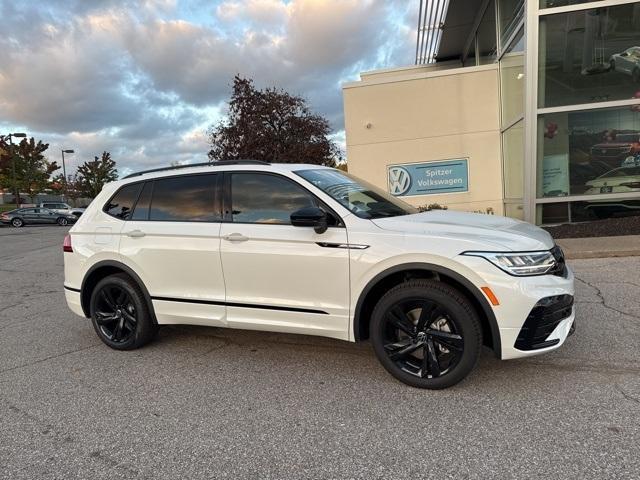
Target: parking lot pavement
pixel 215 403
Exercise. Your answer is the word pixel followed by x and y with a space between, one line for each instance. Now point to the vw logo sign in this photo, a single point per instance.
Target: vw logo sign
pixel 399 180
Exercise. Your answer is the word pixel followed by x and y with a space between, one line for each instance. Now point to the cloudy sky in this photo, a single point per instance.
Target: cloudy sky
pixel 144 79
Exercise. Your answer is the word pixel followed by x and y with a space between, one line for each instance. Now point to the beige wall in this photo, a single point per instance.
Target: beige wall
pixel 416 115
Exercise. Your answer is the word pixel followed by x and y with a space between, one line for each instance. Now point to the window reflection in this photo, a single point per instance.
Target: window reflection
pixel 187 198
pixel 261 198
pixel 589 152
pixel 122 202
pixel 589 56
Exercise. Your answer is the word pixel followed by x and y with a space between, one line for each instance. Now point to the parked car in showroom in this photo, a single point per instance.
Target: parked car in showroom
pixel 36 216
pixel 312 250
pixel 60 207
pixel 616 152
pixel 627 62
pixel 619 180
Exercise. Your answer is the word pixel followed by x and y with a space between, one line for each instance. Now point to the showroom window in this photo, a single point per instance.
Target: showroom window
pixel 486 39
pixel 510 15
pixel 589 152
pixel 589 56
pixel 512 81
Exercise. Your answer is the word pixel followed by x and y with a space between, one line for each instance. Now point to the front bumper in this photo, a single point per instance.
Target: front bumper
pixel 518 297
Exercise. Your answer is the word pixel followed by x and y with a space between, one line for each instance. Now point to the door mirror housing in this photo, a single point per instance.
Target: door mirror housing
pixel 310 217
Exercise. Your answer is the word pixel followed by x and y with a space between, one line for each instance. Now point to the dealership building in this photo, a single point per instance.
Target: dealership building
pixel 529 109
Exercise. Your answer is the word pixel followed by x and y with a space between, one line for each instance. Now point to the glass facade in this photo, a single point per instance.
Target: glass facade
pixel 588 112
pixel 589 152
pixel 589 56
pixel 580 119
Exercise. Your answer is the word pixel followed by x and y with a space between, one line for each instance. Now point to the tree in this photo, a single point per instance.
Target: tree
pixel 93 175
pixel 273 126
pixel 73 187
pixel 32 169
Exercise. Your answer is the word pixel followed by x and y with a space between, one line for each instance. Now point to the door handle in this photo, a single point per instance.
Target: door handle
pixel 235 237
pixel 135 233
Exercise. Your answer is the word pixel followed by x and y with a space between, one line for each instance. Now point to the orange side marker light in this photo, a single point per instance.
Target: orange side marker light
pixel 491 296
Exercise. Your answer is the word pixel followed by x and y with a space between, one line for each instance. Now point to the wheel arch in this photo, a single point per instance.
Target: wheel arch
pixel 103 269
pixel 399 273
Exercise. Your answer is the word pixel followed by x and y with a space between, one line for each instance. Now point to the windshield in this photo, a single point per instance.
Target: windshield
pixel 360 197
pixel 623 172
pixel 627 137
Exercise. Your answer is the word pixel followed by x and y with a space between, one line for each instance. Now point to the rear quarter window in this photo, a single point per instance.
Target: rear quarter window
pixel 121 204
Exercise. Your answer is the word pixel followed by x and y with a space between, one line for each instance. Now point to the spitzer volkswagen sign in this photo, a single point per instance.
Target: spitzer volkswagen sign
pixel 445 176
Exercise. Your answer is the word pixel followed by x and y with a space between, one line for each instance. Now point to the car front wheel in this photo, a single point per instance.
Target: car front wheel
pixel 17 222
pixel 119 313
pixel 426 334
pixel 63 222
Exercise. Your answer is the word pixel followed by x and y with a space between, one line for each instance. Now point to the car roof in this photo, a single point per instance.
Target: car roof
pixel 226 167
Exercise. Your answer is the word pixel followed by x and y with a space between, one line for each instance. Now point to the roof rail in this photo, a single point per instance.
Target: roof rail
pixel 207 164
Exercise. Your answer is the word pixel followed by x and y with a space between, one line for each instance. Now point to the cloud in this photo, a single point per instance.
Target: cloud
pixel 143 79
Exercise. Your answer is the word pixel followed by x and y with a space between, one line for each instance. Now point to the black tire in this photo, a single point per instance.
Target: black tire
pixel 435 347
pixel 612 65
pixel 636 75
pixel 119 313
pixel 17 222
pixel 63 222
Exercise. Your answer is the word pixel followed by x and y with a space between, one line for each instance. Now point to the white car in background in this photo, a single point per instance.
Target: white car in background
pixel 60 207
pixel 313 250
pixel 627 62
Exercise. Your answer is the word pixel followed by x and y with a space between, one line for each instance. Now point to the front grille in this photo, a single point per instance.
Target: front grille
pixel 545 316
pixel 560 268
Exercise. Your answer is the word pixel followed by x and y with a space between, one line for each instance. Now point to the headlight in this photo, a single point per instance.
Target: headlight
pixel 520 264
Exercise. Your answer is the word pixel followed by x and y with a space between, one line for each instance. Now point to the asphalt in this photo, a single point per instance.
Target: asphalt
pixel 214 403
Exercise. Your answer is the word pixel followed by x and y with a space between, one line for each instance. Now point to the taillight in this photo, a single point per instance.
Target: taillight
pixel 66 245
pixel 630 184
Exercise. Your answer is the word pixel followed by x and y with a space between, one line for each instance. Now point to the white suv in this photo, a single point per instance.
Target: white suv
pixel 313 250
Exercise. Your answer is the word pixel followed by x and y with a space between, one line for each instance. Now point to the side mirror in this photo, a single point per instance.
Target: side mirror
pixel 310 217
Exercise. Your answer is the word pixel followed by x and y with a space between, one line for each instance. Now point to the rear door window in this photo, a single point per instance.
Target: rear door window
pixel 187 198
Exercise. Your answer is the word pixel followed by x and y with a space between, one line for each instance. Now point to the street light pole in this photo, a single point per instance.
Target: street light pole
pixel 64 174
pixel 16 190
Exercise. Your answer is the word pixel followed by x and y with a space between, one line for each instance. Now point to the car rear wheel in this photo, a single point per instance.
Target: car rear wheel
pixel 119 313
pixel 426 334
pixel 17 222
pixel 63 222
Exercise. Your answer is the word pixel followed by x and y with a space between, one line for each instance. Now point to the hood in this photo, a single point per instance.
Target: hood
pixel 605 146
pixel 488 231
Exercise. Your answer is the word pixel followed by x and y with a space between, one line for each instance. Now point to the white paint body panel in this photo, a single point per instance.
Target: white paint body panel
pixel 279 279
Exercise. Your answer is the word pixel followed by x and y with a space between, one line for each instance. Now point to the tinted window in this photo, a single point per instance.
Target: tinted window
pixel 141 211
pixel 188 198
pixel 259 198
pixel 122 202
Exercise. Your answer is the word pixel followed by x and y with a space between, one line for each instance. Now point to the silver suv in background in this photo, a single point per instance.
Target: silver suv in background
pixel 60 207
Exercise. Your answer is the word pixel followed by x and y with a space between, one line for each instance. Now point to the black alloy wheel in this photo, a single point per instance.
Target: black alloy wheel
pixel 63 222
pixel 426 334
pixel 120 314
pixel 17 222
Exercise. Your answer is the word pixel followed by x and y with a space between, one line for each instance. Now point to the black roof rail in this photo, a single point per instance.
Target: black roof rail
pixel 207 164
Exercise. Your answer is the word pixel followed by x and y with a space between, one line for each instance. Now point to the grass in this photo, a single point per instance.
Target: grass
pixel 5 207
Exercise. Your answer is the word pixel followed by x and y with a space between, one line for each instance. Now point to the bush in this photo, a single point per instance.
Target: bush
pixel 432 206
